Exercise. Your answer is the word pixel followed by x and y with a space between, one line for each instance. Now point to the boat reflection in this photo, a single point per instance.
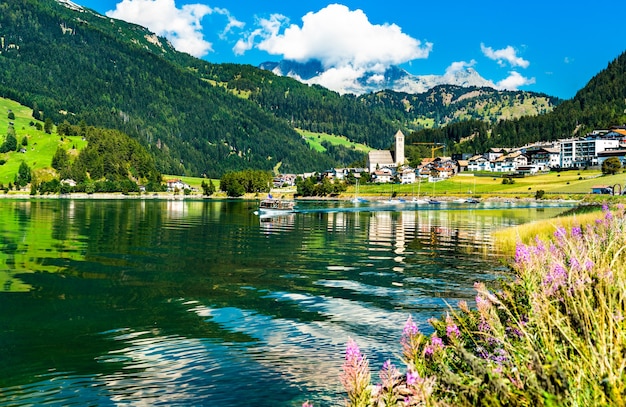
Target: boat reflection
pixel 272 223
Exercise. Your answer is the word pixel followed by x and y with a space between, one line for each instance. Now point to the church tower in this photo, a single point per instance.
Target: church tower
pixel 399 156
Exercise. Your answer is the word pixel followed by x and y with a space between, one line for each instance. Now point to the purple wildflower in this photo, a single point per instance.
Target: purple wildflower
pixel 500 356
pixel 353 353
pixel 436 342
pixel 410 328
pixel 556 278
pixel 589 264
pixel 411 378
pixel 481 352
pixel 522 254
pixel 452 330
pixel 307 404
pixel 514 332
pixel 356 375
pixel 605 207
pixel 388 375
pixel 484 326
pixel 539 246
pixel 560 233
pixel 574 264
pixel 577 232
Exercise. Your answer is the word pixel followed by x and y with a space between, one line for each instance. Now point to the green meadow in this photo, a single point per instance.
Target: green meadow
pixel 556 185
pixel 40 147
pixel 315 141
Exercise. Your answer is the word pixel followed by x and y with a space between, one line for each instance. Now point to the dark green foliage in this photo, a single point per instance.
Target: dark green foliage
pixel 324 187
pixel 247 181
pixel 114 156
pixel 9 143
pixel 23 176
pixel 208 189
pixel 60 159
pixel 11 115
pixel 611 166
pixel 48 125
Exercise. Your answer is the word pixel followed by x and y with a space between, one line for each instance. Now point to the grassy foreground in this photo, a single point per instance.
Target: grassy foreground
pixel 553 336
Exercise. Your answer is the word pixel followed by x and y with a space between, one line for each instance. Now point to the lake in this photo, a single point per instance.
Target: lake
pixel 188 303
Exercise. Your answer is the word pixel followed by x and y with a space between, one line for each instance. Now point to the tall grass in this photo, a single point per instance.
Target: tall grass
pixel 507 239
pixel 555 335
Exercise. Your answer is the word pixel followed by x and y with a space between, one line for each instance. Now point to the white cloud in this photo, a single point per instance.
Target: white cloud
pixel 507 54
pixel 182 27
pixel 514 81
pixel 343 40
pixel 267 28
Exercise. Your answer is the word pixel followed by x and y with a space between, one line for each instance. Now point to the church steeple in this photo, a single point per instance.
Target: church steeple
pixel 399 156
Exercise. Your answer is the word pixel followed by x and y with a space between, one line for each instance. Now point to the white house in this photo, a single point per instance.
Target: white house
pixel 382 175
pixel 407 176
pixel 478 163
pixel 176 185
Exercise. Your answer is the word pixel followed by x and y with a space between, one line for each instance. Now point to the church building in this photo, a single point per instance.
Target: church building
pixel 385 158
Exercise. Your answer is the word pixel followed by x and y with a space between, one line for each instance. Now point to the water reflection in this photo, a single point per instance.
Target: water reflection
pixel 193 302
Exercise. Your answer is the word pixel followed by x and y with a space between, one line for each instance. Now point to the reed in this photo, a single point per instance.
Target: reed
pixel 507 239
pixel 555 335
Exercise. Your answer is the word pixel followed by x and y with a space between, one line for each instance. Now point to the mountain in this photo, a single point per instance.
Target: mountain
pixel 72 64
pixel 601 104
pixel 394 78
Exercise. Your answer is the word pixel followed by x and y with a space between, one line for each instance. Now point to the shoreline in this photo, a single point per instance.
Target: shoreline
pixel 168 196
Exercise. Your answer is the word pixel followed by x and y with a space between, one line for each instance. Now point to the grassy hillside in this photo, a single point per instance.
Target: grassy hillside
pixel 315 140
pixel 40 148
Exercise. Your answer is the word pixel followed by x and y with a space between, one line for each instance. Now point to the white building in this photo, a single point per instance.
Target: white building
pixel 582 152
pixel 407 176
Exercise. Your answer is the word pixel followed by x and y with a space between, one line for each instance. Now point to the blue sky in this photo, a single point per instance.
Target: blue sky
pixel 554 47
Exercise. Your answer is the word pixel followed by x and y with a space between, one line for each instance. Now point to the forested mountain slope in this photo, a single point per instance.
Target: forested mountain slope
pixel 599 105
pixel 198 118
pixel 77 66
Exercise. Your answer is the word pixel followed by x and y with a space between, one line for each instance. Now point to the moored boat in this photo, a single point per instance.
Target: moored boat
pixel 272 205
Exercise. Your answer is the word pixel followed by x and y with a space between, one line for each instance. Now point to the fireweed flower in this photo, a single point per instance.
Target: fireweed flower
pixel 411 378
pixel 452 330
pixel 410 328
pixel 356 375
pixel 560 233
pixel 483 326
pixel 556 278
pixel 577 232
pixel 522 254
pixel 411 341
pixel 388 375
pixel 436 344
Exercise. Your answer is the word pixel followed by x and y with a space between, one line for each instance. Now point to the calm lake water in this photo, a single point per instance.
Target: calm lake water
pixel 203 303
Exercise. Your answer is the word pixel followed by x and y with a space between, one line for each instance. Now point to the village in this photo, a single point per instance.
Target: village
pixel 389 166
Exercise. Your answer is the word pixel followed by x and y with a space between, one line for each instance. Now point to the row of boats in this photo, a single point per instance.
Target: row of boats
pixel 271 205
